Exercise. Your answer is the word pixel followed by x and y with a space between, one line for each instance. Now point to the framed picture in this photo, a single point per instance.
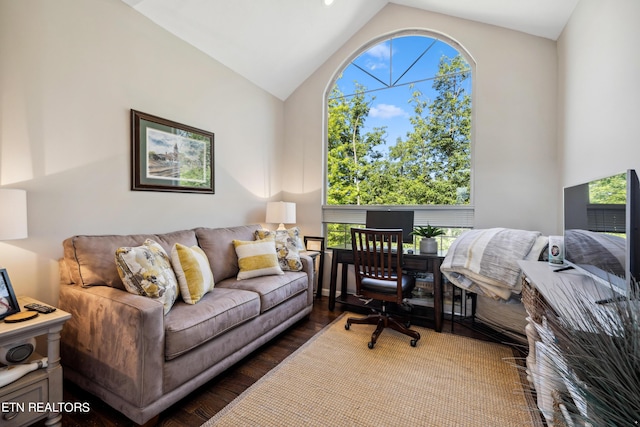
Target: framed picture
pixel 313 243
pixel 169 156
pixel 8 302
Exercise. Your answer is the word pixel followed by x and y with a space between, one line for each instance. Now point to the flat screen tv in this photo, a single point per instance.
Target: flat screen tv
pixel 601 238
pixel 392 219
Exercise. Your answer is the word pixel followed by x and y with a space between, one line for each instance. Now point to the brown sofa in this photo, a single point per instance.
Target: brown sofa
pixel 121 348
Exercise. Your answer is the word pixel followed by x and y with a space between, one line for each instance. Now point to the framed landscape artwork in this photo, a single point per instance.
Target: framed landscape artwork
pixel 169 156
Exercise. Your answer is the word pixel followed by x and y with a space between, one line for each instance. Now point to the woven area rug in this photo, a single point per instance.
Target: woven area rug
pixel 335 379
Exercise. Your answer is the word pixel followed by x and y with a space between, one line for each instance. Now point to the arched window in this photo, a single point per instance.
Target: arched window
pixel 399 134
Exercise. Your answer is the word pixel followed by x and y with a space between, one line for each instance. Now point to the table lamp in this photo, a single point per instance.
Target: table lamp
pixel 281 213
pixel 13 214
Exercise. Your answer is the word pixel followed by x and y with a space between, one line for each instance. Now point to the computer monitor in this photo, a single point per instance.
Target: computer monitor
pixel 392 219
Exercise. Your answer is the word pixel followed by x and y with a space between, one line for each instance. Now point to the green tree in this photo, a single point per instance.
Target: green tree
pixel 352 157
pixel 433 164
pixel 610 190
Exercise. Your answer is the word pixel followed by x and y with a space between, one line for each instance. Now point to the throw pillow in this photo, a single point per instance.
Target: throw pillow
pixel 146 270
pixel 286 247
pixel 257 258
pixel 192 269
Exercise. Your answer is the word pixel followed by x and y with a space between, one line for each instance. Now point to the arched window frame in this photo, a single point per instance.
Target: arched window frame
pixel 453 216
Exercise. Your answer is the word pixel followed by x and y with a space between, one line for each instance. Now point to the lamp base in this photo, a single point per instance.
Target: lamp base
pixel 281 227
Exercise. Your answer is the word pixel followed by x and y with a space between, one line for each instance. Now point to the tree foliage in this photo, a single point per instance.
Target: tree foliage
pixel 610 190
pixel 431 165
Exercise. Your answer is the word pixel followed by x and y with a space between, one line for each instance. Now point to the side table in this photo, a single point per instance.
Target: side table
pixel 315 249
pixel 38 394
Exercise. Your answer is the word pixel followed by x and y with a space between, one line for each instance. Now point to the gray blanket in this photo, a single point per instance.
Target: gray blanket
pixel 484 261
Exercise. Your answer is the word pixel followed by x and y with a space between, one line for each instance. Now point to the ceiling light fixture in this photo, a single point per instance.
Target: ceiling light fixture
pixel 327 2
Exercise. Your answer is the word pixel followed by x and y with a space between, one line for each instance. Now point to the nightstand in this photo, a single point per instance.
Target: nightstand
pixel 24 401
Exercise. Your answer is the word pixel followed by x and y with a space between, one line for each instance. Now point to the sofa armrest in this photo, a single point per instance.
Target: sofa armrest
pixel 309 268
pixel 115 340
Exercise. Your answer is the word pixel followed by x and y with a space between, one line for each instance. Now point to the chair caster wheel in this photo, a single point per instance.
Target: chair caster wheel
pixel 414 343
pixel 371 344
pixel 347 326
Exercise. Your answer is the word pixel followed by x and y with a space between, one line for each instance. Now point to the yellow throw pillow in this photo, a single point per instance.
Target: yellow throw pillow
pixel 146 270
pixel 257 258
pixel 193 272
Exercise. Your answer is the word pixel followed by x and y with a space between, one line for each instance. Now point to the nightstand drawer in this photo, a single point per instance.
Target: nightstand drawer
pixel 16 401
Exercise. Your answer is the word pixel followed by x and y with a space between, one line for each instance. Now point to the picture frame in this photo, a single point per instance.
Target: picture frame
pixel 170 156
pixel 8 302
pixel 313 243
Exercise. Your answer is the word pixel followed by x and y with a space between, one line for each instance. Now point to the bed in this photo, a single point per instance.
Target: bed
pixel 484 261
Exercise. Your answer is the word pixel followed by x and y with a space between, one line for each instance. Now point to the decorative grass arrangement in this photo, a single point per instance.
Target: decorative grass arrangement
pixel 601 349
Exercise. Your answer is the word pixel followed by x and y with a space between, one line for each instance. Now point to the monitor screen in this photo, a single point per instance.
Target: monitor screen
pixel 600 228
pixel 392 219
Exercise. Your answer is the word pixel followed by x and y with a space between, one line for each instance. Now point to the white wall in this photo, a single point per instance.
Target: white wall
pixel 514 159
pixel 598 71
pixel 72 69
pixel 70 72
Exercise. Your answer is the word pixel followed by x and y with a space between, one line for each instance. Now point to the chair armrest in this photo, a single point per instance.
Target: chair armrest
pixel 115 340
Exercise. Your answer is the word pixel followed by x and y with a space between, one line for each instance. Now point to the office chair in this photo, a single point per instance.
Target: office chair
pixel 377 255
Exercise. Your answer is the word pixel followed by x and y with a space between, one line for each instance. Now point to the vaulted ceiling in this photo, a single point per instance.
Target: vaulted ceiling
pixel 277 44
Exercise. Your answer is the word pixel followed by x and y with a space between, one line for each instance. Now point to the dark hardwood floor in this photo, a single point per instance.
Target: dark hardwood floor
pixel 205 402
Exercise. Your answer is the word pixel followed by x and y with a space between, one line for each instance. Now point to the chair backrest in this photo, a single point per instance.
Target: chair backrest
pixel 377 254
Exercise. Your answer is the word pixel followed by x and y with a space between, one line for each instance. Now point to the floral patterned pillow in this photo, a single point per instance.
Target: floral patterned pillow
pixel 146 270
pixel 287 247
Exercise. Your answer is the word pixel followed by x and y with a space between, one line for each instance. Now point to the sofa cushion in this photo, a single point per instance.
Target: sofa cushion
pixel 286 247
pixel 217 243
pixel 192 271
pixel 188 326
pixel 257 258
pixel 89 259
pixel 146 270
pixel 272 289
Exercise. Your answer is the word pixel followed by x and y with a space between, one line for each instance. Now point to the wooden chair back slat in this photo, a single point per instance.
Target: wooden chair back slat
pixel 377 255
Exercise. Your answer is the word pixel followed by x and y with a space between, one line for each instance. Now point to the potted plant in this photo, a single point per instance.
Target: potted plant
pixel 428 243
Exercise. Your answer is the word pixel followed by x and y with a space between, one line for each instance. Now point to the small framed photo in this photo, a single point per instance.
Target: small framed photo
pixel 169 156
pixel 8 302
pixel 313 243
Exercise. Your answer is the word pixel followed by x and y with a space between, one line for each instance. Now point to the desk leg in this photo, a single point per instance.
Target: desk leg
pixel 332 282
pixel 343 283
pixel 438 305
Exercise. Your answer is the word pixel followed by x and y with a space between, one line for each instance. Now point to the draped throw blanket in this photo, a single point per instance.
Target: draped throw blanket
pixel 484 261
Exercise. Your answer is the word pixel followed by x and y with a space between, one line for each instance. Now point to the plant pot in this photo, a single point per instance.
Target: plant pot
pixel 428 245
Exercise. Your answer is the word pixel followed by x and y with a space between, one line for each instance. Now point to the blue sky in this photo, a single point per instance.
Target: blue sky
pixel 388 62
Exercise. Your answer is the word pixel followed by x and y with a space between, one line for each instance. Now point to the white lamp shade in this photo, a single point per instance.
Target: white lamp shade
pixel 13 214
pixel 281 213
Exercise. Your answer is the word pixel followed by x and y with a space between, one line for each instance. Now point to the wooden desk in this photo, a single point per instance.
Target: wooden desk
pixel 412 262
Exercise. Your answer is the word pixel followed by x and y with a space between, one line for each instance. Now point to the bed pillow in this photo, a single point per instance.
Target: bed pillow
pixel 286 247
pixel 146 270
pixel 257 258
pixel 193 272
